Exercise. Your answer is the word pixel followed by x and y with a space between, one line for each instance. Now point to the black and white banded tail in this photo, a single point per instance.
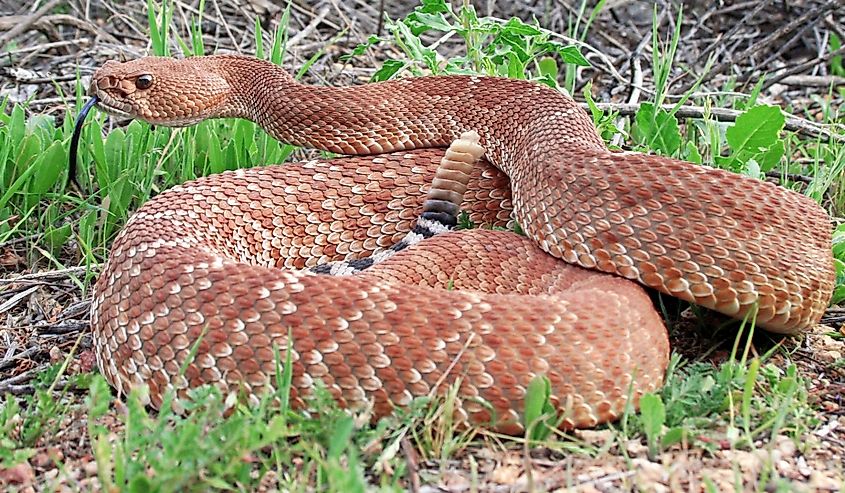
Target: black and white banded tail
pixel 440 209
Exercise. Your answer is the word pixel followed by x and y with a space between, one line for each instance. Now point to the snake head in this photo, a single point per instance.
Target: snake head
pixel 162 91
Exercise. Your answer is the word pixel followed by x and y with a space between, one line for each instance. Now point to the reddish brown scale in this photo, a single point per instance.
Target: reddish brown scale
pixel 206 256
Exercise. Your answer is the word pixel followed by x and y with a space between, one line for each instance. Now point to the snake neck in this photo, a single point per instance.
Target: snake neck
pixel 351 120
pixel 511 116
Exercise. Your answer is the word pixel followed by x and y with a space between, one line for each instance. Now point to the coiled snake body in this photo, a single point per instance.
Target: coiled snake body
pixel 215 259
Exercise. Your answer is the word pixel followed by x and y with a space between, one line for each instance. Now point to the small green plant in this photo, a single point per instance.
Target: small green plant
pixel 541 419
pixel 760 400
pixel 653 417
pixel 754 140
pixel 655 127
pixel 512 48
pixel 605 121
pixel 25 422
pixel 839 261
pixel 836 65
pixel 15 442
pixel 430 422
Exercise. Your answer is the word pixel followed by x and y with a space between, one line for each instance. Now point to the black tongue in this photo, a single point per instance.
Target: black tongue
pixel 74 140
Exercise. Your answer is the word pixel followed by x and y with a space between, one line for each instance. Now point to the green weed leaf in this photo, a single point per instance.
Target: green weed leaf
pixel 17 126
pixel 653 416
pixel 434 7
pixel 755 135
pixel 539 411
pixel 388 70
pixel 339 440
pixel 548 67
pixel 692 153
pixel 658 130
pixel 140 484
pixel 839 264
pixel 99 397
pixel 55 238
pixel 420 22
pixel 673 436
pixel 572 54
pixel 516 27
pixel 49 167
pixel 361 48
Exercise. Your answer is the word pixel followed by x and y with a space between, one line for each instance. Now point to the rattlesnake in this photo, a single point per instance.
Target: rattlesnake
pixel 218 260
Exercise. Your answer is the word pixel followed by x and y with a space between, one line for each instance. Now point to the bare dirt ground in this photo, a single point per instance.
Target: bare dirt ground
pixel 44 314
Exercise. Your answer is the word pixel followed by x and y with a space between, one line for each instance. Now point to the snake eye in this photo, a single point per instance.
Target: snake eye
pixel 144 81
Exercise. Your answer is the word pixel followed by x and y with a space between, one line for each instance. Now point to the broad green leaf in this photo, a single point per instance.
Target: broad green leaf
pixel 420 22
pixel 113 149
pixel 42 125
pixel 361 48
pixel 752 169
pixel 141 484
pixel 673 436
pixel 572 54
pixel 548 67
pixel 136 129
pixel 412 43
pixel 658 130
pixel 17 126
pixel 838 295
pixel 136 141
pixel 511 44
pixel 97 152
pixel 4 105
pixel 755 135
pixel 230 158
pixel 430 58
pixel 469 17
pixel 49 167
pixel 27 170
pixel 769 158
pixel 340 437
pixel 516 27
pixel 515 67
pixel 595 111
pixel 201 142
pixel 537 405
pixel 6 170
pixel 692 153
pixel 28 151
pixel 388 70
pixel 55 238
pixel 535 398
pixel 652 413
pixel 434 7
pixel 216 160
pixel 756 128
pixel 839 241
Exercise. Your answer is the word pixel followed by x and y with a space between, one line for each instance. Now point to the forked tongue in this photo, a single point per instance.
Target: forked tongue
pixel 74 140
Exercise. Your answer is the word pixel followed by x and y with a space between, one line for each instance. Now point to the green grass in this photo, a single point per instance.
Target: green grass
pixel 330 449
pixel 743 401
pixel 240 444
